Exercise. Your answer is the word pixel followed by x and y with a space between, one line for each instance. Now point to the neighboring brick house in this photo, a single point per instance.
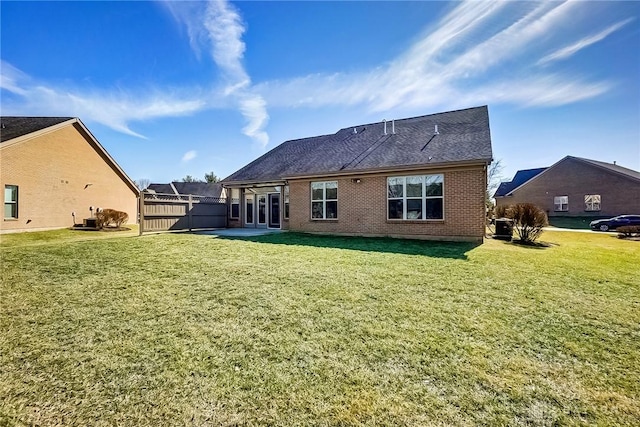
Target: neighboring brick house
pixel 575 187
pixel 51 167
pixel 422 177
pixel 204 189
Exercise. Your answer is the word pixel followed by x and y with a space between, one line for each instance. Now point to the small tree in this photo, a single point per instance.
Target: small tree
pixel 189 178
pixel 494 176
pixel 528 221
pixel 142 183
pixel 211 177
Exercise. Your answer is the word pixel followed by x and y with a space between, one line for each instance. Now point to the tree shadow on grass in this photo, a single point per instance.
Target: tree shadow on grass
pixel 530 245
pixel 454 250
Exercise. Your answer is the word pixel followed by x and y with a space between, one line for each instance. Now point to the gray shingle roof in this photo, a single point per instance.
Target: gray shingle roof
pixel 14 127
pixel 519 178
pixel 195 188
pixel 463 136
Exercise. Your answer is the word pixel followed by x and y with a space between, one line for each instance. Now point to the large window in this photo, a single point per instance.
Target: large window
pixel 415 197
pixel 561 203
pixel 235 203
pixel 324 200
pixel 592 202
pixel 286 202
pixel 10 201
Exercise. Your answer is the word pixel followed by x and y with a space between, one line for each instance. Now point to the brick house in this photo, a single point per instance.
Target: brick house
pixel 422 177
pixel 575 187
pixel 51 167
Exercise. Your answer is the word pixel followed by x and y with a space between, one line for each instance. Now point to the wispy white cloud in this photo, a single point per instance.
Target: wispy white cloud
pixel 218 26
pixel 189 155
pixel 460 61
pixel 572 49
pixel 115 109
pixel 10 77
pixel 226 28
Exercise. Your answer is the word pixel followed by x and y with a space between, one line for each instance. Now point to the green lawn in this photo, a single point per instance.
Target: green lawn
pixel 289 329
pixel 576 222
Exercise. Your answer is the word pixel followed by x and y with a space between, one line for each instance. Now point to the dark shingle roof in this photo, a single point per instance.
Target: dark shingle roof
pixel 196 188
pixel 160 188
pixel 520 178
pixel 463 136
pixel 14 127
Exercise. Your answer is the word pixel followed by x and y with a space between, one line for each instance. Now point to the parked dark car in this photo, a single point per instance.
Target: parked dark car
pixel 615 222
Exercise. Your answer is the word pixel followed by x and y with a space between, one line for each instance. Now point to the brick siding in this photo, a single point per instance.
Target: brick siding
pixel 51 172
pixel 362 207
pixel 575 179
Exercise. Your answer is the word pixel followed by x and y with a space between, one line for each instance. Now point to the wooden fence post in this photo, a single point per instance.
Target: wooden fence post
pixel 190 213
pixel 141 214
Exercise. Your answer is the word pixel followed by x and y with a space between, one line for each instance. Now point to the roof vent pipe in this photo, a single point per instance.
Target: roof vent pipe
pixel 355 130
pixel 436 131
pixel 385 125
pixel 393 127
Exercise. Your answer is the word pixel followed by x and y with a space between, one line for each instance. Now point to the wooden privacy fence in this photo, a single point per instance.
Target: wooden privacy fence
pixel 161 212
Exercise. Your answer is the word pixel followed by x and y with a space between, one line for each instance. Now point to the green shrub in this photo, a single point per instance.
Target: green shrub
pixel 528 221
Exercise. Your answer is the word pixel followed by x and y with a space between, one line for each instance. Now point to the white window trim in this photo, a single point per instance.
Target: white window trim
pixel 555 203
pixel 324 200
pixel 285 202
pixel 231 198
pixel 590 202
pixel 424 198
pixel 11 202
pixel 249 200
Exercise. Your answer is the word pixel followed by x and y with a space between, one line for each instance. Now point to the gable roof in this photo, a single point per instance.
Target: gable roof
pixel 519 178
pixel 463 136
pixel 13 127
pixel 612 167
pixel 15 130
pixel 506 188
pixel 205 189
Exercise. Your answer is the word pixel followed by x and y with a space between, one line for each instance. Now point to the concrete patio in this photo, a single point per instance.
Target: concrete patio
pixel 240 232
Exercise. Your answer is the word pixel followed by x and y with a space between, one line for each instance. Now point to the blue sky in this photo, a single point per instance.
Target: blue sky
pixel 177 88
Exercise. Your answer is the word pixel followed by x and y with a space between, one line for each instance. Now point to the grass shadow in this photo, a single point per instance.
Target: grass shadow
pixel 437 249
pixel 529 245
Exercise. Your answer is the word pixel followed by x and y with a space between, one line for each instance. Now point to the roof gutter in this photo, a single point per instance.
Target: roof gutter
pixel 253 183
pixel 440 165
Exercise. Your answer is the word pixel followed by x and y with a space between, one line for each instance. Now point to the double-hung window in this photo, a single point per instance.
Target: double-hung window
pixel 10 201
pixel 324 200
pixel 235 203
pixel 561 203
pixel 592 202
pixel 286 202
pixel 417 197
